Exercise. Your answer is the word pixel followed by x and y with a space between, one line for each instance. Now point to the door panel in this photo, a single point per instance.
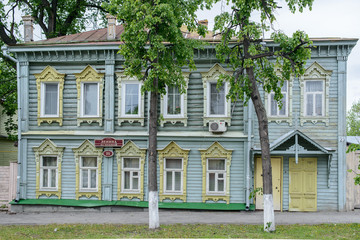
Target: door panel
pixel 276 165
pixel 303 184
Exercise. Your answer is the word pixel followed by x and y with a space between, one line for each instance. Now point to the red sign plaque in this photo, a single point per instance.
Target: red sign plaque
pixel 108 153
pixel 109 142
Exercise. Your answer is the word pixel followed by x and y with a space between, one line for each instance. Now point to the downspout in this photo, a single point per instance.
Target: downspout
pixel 247 195
pixel 5 53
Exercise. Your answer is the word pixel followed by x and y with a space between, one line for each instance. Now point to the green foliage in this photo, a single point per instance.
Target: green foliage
pixel 352 148
pixel 353 120
pixel 254 192
pixel 154 46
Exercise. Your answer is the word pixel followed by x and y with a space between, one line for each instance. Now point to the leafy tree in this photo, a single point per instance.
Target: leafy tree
pixel 353 120
pixel 56 18
pixel 155 50
pixel 254 66
pixel 352 148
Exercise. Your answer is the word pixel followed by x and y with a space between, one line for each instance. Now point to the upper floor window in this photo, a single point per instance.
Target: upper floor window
pixel 314 98
pixel 89 84
pixel 50 85
pixel 216 106
pixel 274 108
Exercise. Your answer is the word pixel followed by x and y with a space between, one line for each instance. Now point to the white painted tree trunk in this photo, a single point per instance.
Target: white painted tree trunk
pixel 269 218
pixel 153 210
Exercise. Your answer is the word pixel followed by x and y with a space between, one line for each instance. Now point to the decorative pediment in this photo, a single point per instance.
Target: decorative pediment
pixel 49 74
pixel 173 150
pixel 214 72
pixel 48 148
pixel 315 70
pixel 88 149
pixel 216 150
pixel 89 74
pixel 130 149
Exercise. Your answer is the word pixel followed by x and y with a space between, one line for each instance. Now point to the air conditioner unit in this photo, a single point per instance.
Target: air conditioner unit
pixel 217 127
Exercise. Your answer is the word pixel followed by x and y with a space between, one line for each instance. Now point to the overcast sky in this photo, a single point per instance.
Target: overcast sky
pixel 328 18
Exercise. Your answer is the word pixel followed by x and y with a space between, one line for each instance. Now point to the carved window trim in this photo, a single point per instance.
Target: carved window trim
pixel 182 118
pixel 49 75
pixel 172 150
pixel 315 72
pixel 212 76
pixel 89 75
pixel 87 149
pixel 130 149
pixel 122 79
pixel 48 148
pixel 215 151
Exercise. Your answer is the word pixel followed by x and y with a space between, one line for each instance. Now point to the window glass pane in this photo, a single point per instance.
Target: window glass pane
pixel 53 178
pixel 314 86
pixel 45 177
pixel 274 106
pixel 173 100
pixel 51 98
pixel 284 87
pixel 282 111
pixel 131 163
pixel 131 98
pixel 93 178
pixel 135 183
pixel 318 106
pixel 85 178
pixel 127 180
pixel 173 163
pixel 217 100
pixel 216 164
pixel 89 162
pixel 220 185
pixel 49 161
pixel 169 181
pixel 309 104
pixel 211 181
pixel 90 99
pixel 177 181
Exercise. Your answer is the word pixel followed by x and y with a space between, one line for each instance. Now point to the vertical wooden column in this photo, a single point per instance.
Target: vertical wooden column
pixel 109 92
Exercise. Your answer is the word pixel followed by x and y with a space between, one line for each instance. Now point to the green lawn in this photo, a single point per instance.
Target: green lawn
pixel 80 231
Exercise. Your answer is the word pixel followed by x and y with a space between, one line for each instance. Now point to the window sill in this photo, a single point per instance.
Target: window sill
pixel 89 120
pixel 131 120
pixel 48 193
pixel 50 120
pixel 173 120
pixel 280 119
pixel 314 120
pixel 131 196
pixel 173 196
pixel 216 198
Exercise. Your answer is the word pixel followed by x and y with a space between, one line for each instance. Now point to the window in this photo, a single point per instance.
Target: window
pixel 216 176
pixel 274 110
pixel 88 161
pixel 48 173
pixel 90 100
pixel 216 161
pixel 173 175
pixel 48 158
pixel 130 100
pixel 131 175
pixel 314 98
pixel 173 102
pixel 89 85
pixel 217 103
pixel 88 174
pixel 173 170
pixel 216 106
pixel 50 85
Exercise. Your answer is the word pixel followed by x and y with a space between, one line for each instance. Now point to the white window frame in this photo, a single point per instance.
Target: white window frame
pixel 182 104
pixel 89 189
pixel 123 100
pixel 209 100
pixel 82 99
pixel 173 170
pixel 131 170
pixel 277 115
pixel 43 99
pixel 42 168
pixel 217 172
pixel 313 95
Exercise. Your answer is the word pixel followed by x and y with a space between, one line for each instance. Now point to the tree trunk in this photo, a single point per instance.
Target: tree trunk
pixel 152 156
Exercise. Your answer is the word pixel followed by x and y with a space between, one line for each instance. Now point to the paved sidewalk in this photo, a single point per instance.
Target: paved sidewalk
pixel 180 217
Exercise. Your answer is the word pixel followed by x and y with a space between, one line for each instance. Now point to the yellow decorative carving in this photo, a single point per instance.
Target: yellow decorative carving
pixel 48 148
pixel 50 75
pixel 130 149
pixel 89 75
pixel 315 72
pixel 172 150
pixel 87 149
pixel 216 151
pixel 121 77
pixel 173 120
pixel 212 76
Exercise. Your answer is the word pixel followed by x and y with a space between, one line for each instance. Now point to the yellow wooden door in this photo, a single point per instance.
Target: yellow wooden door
pixel 303 184
pixel 276 165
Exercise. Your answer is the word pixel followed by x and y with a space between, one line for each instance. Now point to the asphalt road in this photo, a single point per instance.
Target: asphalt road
pixel 177 217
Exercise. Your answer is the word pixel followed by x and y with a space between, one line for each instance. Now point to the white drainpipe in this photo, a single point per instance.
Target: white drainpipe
pixel 247 195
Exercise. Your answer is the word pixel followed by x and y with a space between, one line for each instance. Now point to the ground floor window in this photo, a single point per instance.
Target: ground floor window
pixel 173 175
pixel 216 176
pixel 48 173
pixel 131 175
pixel 88 174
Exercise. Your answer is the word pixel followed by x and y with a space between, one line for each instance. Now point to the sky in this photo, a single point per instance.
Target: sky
pixel 328 18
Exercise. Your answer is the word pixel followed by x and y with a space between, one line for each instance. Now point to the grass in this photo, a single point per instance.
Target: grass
pixel 102 231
